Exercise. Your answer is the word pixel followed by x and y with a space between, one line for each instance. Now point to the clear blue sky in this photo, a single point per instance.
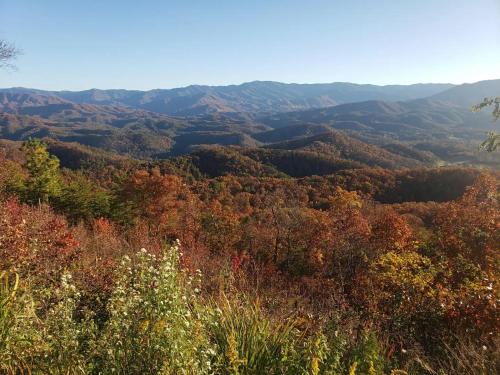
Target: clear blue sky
pixel 144 44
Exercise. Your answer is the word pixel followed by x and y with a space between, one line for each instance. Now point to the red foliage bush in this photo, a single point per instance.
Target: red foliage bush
pixel 35 241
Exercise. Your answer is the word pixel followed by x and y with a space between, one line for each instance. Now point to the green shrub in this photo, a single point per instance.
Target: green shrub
pixel 153 326
pixel 69 333
pixel 82 199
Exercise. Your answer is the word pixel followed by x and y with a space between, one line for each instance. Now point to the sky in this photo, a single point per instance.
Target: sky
pixel 147 44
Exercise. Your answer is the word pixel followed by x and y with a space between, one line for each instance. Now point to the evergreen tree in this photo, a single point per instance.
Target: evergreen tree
pixel 44 180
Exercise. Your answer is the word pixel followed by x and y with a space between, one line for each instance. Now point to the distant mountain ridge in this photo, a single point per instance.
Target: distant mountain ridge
pixel 469 94
pixel 252 97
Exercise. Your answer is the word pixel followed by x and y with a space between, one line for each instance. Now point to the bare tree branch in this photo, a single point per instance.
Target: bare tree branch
pixel 8 52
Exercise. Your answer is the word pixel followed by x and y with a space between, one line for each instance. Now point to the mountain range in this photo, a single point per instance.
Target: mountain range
pixel 323 127
pixel 249 97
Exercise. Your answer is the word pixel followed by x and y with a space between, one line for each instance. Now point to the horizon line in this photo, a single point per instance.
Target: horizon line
pixel 250 82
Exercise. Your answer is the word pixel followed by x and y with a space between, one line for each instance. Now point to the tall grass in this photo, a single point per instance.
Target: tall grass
pixel 248 342
pixel 20 341
pixel 8 296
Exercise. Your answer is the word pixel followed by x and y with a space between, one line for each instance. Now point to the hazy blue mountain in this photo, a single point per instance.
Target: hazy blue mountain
pixel 468 94
pixel 252 97
pixel 404 120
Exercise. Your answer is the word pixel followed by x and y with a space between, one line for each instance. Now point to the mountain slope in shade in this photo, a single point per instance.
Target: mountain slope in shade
pixel 291 132
pixel 252 97
pixel 341 146
pixel 421 118
pixel 468 94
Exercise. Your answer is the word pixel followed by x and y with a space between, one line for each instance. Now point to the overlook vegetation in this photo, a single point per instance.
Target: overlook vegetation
pixel 365 271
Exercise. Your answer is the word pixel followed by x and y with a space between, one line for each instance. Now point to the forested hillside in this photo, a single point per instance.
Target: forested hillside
pixel 364 269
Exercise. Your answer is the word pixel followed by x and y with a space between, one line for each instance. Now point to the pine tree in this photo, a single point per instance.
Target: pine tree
pixel 44 181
